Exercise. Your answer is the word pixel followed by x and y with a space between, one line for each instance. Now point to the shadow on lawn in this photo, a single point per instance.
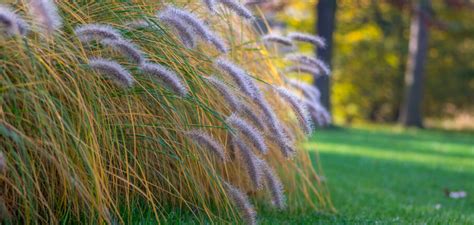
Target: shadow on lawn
pixel 411 141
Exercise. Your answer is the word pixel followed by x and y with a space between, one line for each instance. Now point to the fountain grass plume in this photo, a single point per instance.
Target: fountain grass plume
pixel 206 141
pixel 126 48
pixel 197 26
pixel 277 39
pixel 317 41
pixel 11 22
pixel 45 15
pixel 298 107
pixel 238 8
pixel 137 24
pixel 226 92
pixel 304 69
pixel 166 76
pixel 89 32
pixel 211 5
pixel 250 161
pixel 252 116
pixel 309 91
pixel 252 134
pixel 242 203
pixel 309 61
pixel 185 32
pixel 273 184
pixel 318 113
pixel 238 75
pixel 112 70
pixel 276 128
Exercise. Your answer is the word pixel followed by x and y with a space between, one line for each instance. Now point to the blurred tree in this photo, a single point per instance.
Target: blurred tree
pixel 370 53
pixel 326 10
pixel 410 114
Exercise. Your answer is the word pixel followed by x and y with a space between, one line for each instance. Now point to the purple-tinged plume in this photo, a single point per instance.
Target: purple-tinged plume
pixel 273 184
pixel 238 8
pixel 45 15
pixel 112 70
pixel 310 92
pixel 252 134
pixel 126 48
pixel 318 113
pixel 206 141
pixel 308 38
pixel 276 128
pixel 210 4
pixel 11 23
pixel 304 69
pixel 298 107
pixel 137 24
pixel 309 61
pixel 226 92
pixel 277 39
pixel 185 32
pixel 252 115
pixel 239 76
pixel 242 203
pixel 166 76
pixel 197 26
pixel 89 32
pixel 250 161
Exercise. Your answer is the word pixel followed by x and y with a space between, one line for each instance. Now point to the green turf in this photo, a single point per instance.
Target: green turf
pixel 383 175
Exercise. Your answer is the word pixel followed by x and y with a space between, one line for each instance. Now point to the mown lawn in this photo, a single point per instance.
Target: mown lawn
pixel 385 175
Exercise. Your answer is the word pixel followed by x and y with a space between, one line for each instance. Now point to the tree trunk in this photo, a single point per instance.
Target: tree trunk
pixel 410 114
pixel 326 11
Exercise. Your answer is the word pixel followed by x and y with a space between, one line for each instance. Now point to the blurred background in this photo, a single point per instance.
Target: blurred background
pixel 404 61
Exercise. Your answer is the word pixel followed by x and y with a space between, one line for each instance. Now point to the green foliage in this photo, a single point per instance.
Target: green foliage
pixel 370 52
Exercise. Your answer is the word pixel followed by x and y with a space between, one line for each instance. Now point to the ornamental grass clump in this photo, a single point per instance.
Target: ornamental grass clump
pixel 80 151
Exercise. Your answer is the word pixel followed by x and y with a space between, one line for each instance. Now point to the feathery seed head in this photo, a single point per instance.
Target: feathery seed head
pixel 277 39
pixel 197 25
pixel 112 70
pixel 317 41
pixel 165 75
pixel 137 24
pixel 319 114
pixel 126 48
pixel 238 75
pixel 309 61
pixel 210 4
pixel 242 203
pixel 185 32
pixel 206 141
pixel 276 128
pixel 238 8
pixel 309 91
pixel 298 107
pixel 225 91
pixel 11 23
pixel 250 161
pixel 89 32
pixel 304 69
pixel 45 13
pixel 252 134
pixel 253 116
pixel 274 184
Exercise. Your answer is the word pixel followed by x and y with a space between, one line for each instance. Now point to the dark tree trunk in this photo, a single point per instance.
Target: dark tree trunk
pixel 410 114
pixel 326 11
